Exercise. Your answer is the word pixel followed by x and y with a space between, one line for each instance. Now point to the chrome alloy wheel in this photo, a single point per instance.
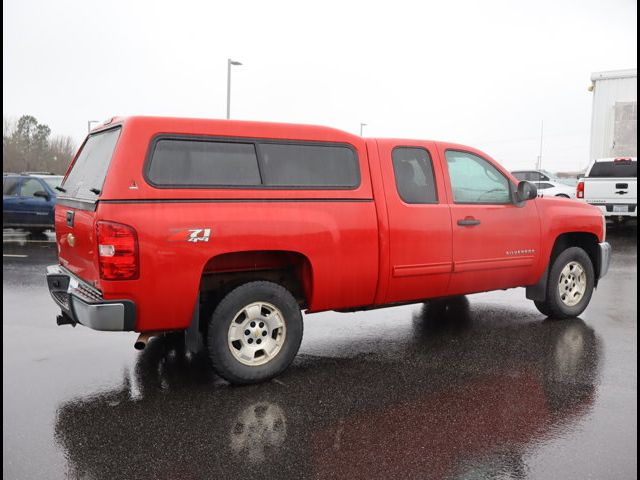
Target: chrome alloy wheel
pixel 256 334
pixel 572 284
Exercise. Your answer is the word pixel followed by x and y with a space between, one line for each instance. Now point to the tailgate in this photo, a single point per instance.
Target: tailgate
pixel 613 190
pixel 612 180
pixel 76 238
pixel 77 205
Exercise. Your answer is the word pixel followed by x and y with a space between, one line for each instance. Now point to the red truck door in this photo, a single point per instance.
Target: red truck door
pixel 419 223
pixel 496 244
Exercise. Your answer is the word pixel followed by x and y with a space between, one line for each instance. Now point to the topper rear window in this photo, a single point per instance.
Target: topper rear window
pixel 86 178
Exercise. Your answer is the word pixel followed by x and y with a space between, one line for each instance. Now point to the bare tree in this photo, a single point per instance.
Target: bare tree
pixel 62 150
pixel 27 146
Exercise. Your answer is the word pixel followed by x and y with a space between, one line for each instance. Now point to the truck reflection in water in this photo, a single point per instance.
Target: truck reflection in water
pixel 462 398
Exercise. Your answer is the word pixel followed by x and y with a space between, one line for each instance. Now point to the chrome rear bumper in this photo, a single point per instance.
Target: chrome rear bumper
pixel 83 304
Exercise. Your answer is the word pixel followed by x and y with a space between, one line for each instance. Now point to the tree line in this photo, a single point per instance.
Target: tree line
pixel 28 146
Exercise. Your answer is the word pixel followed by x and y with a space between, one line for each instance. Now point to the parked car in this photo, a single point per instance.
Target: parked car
pixel 611 185
pixel 228 229
pixel 28 200
pixel 547 183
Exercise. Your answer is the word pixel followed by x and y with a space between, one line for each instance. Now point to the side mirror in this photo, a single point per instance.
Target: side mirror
pixel 526 191
pixel 41 194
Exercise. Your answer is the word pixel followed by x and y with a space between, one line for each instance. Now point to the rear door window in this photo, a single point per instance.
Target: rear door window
pixel 87 175
pixel 613 169
pixel 414 175
pixel 10 186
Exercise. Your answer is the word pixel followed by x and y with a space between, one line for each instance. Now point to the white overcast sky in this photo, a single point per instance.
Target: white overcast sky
pixel 484 73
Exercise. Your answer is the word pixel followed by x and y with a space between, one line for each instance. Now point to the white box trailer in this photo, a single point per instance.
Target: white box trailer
pixel 614 121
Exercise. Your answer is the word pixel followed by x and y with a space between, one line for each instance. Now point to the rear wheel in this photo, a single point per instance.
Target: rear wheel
pixel 570 285
pixel 254 333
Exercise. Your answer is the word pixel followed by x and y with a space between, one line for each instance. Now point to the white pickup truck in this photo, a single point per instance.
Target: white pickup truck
pixel 611 185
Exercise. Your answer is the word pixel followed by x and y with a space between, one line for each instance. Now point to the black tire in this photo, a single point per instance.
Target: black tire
pixel 223 360
pixel 542 308
pixel 553 306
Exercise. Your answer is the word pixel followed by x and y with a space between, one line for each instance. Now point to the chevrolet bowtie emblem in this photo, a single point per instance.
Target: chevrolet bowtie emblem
pixel 71 239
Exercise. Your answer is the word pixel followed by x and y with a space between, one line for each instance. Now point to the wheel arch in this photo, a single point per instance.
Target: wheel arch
pixel 224 272
pixel 585 240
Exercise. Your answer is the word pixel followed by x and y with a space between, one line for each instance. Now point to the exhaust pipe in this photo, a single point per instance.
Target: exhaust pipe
pixel 143 339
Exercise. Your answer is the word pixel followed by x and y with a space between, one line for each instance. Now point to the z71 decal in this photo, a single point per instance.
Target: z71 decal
pixel 193 235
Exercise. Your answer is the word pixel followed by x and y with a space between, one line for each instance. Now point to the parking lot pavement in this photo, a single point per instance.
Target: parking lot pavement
pixel 482 387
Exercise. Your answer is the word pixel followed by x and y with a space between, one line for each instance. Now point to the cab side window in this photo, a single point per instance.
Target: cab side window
pixel 475 180
pixel 413 171
pixel 30 186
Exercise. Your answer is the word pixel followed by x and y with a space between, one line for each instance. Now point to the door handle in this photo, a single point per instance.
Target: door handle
pixel 468 222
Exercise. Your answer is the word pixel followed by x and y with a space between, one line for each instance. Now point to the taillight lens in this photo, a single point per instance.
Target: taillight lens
pixel 117 251
pixel 580 190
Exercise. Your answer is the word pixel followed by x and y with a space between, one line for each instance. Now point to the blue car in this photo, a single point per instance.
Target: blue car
pixel 28 201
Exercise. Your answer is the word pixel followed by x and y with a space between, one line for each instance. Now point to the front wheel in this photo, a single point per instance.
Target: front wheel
pixel 570 285
pixel 254 333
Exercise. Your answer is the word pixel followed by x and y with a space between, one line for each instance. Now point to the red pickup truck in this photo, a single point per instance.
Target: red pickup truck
pixel 226 230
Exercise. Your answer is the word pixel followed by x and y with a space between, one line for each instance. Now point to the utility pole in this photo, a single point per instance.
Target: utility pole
pixel 362 125
pixel 229 64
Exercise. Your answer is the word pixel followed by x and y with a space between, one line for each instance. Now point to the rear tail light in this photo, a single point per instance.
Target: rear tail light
pixel 580 190
pixel 117 251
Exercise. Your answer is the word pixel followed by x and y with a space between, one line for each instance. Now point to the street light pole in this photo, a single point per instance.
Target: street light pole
pixel 541 139
pixel 89 124
pixel 229 64
pixel 361 126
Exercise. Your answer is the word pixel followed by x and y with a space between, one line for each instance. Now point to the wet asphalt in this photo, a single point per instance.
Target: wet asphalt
pixel 482 387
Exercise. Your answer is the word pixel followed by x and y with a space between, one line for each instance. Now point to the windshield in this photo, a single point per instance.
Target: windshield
pixel 87 175
pixel 53 182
